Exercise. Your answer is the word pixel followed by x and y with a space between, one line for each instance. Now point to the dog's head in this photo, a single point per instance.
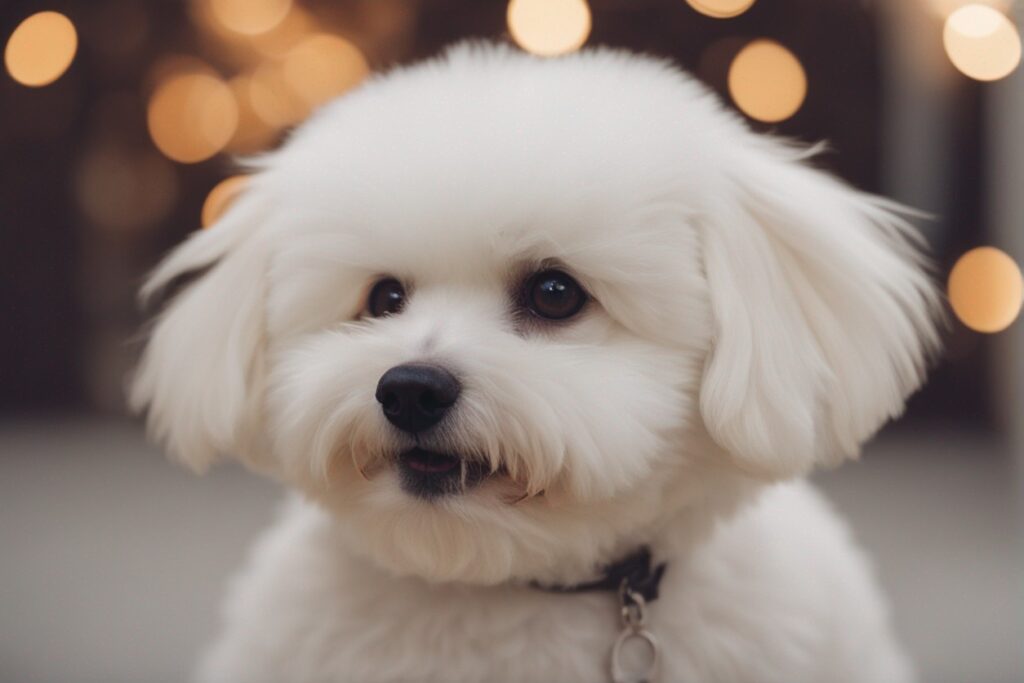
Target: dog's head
pixel 503 315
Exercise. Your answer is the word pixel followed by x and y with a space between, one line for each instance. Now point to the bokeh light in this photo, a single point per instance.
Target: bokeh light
pixel 943 8
pixel 271 98
pixel 192 116
pixel 721 9
pixel 221 197
pixel 981 42
pixel 41 49
pixel 549 27
pixel 250 17
pixel 323 66
pixel 253 133
pixel 283 37
pixel 767 81
pixel 986 289
pixel 317 69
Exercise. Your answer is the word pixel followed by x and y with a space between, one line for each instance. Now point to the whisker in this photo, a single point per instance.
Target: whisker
pixel 358 466
pixel 520 499
pixel 526 495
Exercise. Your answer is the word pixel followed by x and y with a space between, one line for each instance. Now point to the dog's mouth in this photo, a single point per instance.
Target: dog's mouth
pixel 430 462
pixel 432 474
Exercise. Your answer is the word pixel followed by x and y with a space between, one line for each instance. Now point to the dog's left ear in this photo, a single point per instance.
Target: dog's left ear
pixel 824 316
pixel 198 374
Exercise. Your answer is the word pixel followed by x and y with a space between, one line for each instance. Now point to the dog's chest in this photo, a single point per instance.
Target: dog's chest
pixel 448 635
pixel 752 605
pixel 307 612
pixel 377 630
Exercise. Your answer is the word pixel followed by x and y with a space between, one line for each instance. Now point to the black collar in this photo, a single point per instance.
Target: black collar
pixel 634 572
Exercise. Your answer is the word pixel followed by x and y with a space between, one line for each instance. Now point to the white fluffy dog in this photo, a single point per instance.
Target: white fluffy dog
pixel 506 322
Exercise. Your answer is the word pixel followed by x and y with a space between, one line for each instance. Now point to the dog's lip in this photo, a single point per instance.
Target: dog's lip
pixel 431 474
pixel 430 462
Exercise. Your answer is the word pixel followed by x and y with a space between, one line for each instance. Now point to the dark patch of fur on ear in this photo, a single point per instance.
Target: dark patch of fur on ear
pixel 178 284
pixel 161 299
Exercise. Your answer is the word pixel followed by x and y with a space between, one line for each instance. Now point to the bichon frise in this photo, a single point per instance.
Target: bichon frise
pixel 547 348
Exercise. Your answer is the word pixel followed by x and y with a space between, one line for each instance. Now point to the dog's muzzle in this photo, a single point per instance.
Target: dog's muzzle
pixel 415 397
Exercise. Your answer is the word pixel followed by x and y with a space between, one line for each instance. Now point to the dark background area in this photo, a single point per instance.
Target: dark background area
pixel 67 287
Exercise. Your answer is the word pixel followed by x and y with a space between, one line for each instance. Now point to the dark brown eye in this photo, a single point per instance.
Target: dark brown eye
pixel 386 297
pixel 554 295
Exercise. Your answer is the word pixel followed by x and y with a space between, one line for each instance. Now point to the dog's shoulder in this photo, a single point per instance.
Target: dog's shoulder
pixel 784 576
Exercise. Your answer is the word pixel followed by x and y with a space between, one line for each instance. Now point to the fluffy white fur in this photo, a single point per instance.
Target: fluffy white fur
pixel 753 318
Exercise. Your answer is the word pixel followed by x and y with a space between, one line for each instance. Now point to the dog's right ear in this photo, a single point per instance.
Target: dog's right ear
pixel 197 374
pixel 824 315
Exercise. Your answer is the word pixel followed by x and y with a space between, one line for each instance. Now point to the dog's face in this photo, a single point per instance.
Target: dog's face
pixel 503 316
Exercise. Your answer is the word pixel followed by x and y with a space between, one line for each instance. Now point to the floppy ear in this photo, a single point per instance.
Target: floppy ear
pixel 824 316
pixel 198 371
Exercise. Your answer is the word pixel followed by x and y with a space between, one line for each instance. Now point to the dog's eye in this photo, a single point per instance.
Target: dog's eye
pixel 554 295
pixel 386 297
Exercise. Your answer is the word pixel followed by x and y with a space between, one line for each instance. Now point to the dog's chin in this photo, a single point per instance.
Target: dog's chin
pixel 470 538
pixel 443 517
pixel 436 514
pixel 444 512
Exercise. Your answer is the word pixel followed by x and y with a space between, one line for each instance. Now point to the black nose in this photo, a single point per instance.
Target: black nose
pixel 415 396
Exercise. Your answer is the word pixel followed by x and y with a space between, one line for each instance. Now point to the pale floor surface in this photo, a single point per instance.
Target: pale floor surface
pixel 112 561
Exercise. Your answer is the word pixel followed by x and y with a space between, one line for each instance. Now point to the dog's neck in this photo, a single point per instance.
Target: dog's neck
pixel 636 572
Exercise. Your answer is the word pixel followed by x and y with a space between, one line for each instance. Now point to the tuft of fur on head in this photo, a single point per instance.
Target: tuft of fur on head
pixel 751 317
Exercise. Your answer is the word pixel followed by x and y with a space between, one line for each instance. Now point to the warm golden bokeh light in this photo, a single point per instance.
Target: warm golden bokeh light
pixel 721 9
pixel 41 49
pixel 272 100
pixel 767 81
pixel 253 133
pixel 981 42
pixel 192 116
pixel 943 8
pixel 250 17
pixel 986 289
pixel 323 66
pixel 283 37
pixel 320 67
pixel 173 65
pixel 549 27
pixel 221 197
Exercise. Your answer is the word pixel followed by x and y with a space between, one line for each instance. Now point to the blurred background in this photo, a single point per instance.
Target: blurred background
pixel 119 121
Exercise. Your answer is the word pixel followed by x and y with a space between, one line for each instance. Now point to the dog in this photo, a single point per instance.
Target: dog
pixel 545 349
